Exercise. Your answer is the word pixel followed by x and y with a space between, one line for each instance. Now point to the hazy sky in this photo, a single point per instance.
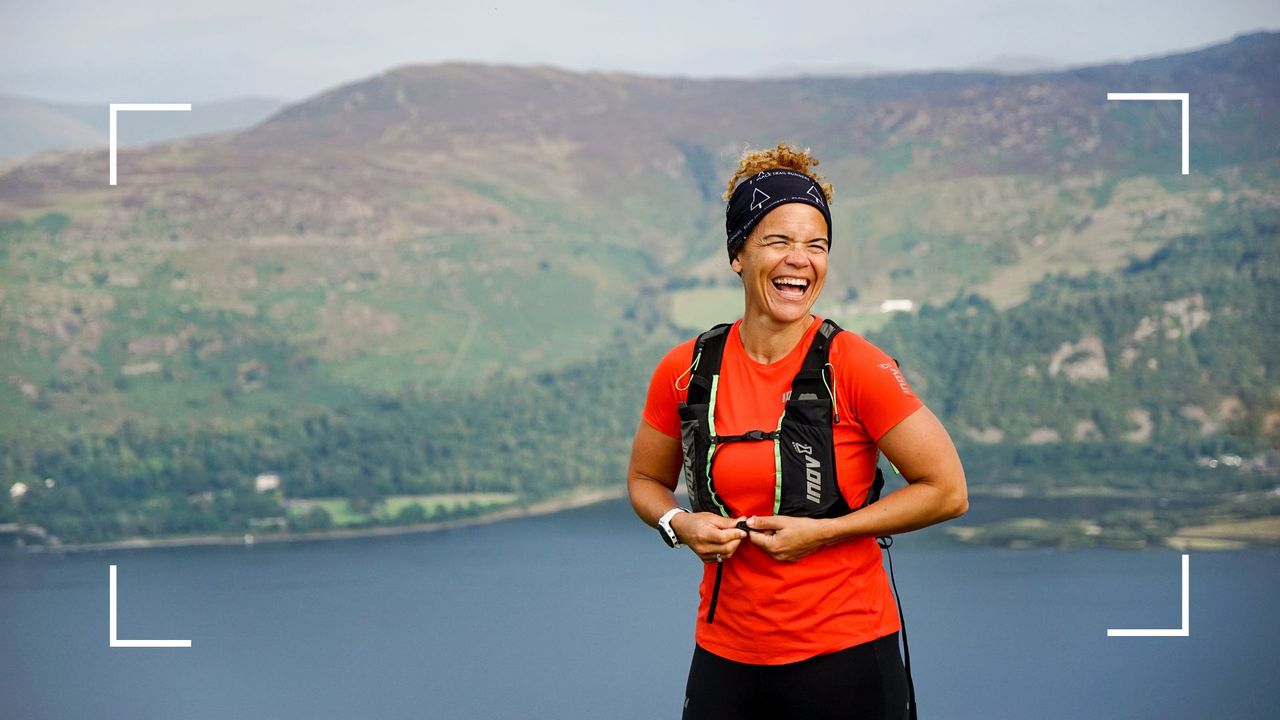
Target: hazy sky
pixel 181 51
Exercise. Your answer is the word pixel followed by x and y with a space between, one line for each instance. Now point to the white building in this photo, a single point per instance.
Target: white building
pixel 896 305
pixel 17 490
pixel 266 482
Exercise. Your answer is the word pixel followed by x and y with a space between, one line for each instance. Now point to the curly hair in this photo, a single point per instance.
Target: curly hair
pixel 781 156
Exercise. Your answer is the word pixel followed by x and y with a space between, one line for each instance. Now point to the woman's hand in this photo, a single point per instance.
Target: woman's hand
pixel 788 538
pixel 710 536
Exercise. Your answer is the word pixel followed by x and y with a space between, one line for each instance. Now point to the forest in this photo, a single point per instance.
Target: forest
pixel 1091 383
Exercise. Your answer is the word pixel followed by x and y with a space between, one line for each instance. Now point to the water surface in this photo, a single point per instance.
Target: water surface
pixel 586 614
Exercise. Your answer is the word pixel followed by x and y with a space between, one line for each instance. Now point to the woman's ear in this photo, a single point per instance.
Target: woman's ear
pixel 736 264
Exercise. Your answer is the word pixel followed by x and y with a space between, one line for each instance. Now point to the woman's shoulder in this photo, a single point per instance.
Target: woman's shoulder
pixel 863 364
pixel 872 383
pixel 665 390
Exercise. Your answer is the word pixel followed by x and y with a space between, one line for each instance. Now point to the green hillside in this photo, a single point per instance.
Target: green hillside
pixel 1140 383
pixel 490 257
pixel 533 438
pixel 1159 381
pixel 1178 352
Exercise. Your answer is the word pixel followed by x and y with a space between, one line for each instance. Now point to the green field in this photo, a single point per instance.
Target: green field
pixel 344 515
pixel 699 308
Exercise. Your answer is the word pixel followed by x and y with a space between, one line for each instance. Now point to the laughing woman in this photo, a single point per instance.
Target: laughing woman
pixel 777 421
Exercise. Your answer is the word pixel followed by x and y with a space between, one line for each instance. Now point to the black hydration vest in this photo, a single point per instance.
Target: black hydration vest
pixel 803 443
pixel 803 450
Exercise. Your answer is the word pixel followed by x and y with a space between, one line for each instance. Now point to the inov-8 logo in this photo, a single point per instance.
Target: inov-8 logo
pixel 812 473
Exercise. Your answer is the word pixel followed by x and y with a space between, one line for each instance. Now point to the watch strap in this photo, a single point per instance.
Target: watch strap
pixel 664 527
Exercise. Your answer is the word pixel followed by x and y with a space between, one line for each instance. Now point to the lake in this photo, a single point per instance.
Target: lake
pixel 586 614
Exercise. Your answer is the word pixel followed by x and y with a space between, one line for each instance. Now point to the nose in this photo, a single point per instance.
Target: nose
pixel 797 255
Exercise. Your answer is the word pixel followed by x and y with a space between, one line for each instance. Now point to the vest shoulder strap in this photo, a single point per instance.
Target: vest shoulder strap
pixel 708 351
pixel 812 378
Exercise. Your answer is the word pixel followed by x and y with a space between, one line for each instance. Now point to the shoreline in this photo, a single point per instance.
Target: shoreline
pixel 571 501
pixel 1214 537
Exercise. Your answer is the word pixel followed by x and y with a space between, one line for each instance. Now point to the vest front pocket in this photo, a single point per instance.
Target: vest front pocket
pixel 807 484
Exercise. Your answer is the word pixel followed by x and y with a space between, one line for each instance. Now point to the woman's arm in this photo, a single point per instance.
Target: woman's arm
pixel 921 449
pixel 651 482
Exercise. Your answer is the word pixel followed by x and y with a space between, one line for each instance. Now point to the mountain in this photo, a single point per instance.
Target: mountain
pixel 455 278
pixel 438 225
pixel 29 125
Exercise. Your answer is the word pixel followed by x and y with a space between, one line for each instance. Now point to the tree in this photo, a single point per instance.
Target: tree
pixel 411 514
pixel 317 518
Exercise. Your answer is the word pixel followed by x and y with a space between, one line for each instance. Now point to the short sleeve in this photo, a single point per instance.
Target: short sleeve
pixel 880 396
pixel 662 404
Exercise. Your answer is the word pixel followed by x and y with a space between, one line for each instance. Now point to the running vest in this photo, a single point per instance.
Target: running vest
pixel 803 450
pixel 803 445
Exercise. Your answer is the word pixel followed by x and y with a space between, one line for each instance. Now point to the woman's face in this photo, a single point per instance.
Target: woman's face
pixel 783 263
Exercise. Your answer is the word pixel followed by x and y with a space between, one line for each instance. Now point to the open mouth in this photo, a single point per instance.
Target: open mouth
pixel 791 288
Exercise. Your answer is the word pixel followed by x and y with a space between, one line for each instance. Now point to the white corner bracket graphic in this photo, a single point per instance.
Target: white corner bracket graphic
pixel 136 643
pixel 1185 99
pixel 1183 631
pixel 116 107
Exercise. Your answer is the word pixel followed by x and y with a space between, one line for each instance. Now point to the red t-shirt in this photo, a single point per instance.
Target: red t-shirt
pixel 771 612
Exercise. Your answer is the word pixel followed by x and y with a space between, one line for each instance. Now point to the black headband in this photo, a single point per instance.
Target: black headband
pixel 764 191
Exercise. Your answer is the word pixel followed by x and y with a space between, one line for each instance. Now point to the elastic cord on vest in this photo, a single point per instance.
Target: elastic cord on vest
pixel 886 543
pixel 831 388
pixel 764 191
pixel 715 593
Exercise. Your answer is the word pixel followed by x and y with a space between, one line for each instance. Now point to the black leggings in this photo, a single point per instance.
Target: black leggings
pixel 865 681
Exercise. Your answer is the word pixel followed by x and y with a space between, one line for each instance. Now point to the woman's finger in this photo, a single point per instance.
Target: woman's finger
pixel 731 534
pixel 764 541
pixel 711 535
pixel 724 550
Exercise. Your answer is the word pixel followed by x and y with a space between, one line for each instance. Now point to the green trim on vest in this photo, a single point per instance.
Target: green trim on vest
pixel 805 481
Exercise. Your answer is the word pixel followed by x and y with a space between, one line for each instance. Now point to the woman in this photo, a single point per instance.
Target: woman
pixel 796 617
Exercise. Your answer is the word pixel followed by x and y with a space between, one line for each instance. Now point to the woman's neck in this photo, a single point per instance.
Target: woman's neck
pixel 767 341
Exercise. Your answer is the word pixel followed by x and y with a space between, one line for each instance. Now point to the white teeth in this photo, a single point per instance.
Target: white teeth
pixel 798 282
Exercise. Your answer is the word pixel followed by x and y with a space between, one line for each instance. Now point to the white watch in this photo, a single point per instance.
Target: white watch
pixel 665 530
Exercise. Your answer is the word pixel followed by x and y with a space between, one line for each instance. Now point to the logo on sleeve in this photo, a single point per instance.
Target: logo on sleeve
pixel 902 382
